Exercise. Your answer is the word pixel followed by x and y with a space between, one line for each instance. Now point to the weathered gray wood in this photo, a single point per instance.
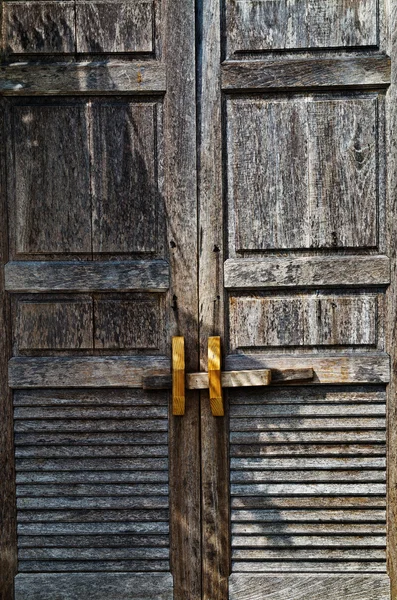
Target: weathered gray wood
pixel 96 528
pixel 84 372
pixel 90 451
pixel 312 541
pixel 83 78
pixel 39 27
pixel 279 450
pixel 120 566
pixel 356 368
pixel 331 489
pixel 310 567
pixel 122 276
pixel 128 323
pixel 308 553
pixel 309 395
pixel 291 516
pixel 315 271
pixel 114 26
pixel 255 26
pixel 98 490
pixel 125 177
pixel 321 476
pixel 98 397
pixel 91 464
pixel 284 196
pixel 94 541
pixel 312 410
pixel 93 553
pixel 301 423
pixel 256 464
pixel 99 586
pixel 96 425
pixel 54 325
pixel 281 528
pixel 320 587
pixel 82 439
pixel 273 436
pixel 115 520
pixel 100 412
pixel 323 502
pixel 49 193
pixel 96 502
pixel 321 320
pixel 358 72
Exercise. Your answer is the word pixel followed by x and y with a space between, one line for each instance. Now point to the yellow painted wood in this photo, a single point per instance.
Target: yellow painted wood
pixel 214 376
pixel 178 376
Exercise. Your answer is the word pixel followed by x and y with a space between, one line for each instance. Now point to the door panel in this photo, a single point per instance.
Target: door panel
pixel 100 243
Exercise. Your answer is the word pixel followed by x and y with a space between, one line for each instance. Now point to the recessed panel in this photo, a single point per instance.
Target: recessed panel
pixel 115 26
pixel 260 25
pixel 54 324
pixel 125 177
pixel 302 172
pixel 39 27
pixel 128 322
pixel 311 320
pixel 50 185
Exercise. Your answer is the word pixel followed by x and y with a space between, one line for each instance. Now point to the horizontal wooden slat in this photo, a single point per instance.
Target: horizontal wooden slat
pixel 92 476
pixel 256 450
pixel 308 476
pixel 94 502
pixel 315 587
pixel 93 528
pixel 285 437
pixel 357 72
pixel 92 464
pixel 301 423
pixel 119 566
pixel 122 371
pixel 99 491
pixel 93 541
pixel 81 398
pixel 90 451
pixel 315 271
pixel 280 516
pixel 308 554
pixel 309 567
pixel 39 438
pixel 116 519
pixel 308 410
pixel 147 412
pixel 255 464
pixel 357 368
pixel 319 528
pixel 92 425
pixel 93 553
pixel 123 276
pixel 83 78
pixel 323 489
pixel 311 541
pixel 308 502
pixel 309 395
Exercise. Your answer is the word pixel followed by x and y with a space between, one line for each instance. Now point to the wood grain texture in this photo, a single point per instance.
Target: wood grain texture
pixel 49 179
pixel 285 191
pixel 40 276
pixel 297 586
pixel 115 27
pixel 127 322
pixel 178 376
pixel 364 368
pixel 99 586
pixel 321 320
pixel 83 372
pixel 39 27
pixel 83 78
pixel 315 271
pixel 214 376
pixel 255 26
pixel 125 171
pixel 355 73
pixel 52 325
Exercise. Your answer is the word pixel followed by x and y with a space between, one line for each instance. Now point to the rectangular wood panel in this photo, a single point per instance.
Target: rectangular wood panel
pixel 54 325
pixel 98 586
pixel 313 271
pixel 151 276
pixel 109 26
pixel 127 323
pixel 285 190
pixel 39 27
pixel 304 320
pixel 125 177
pixel 261 25
pixel 49 179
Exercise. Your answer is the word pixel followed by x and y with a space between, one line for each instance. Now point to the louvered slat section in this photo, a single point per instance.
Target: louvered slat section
pixel 307 478
pixel 92 480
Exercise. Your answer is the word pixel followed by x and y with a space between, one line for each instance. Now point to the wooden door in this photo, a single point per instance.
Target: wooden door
pixel 297 270
pixel 99 245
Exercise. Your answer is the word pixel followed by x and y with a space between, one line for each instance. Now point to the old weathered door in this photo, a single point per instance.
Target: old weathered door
pixel 281 239
pixel 297 191
pixel 99 250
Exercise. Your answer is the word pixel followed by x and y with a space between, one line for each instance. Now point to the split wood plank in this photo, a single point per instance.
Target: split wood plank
pixel 214 376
